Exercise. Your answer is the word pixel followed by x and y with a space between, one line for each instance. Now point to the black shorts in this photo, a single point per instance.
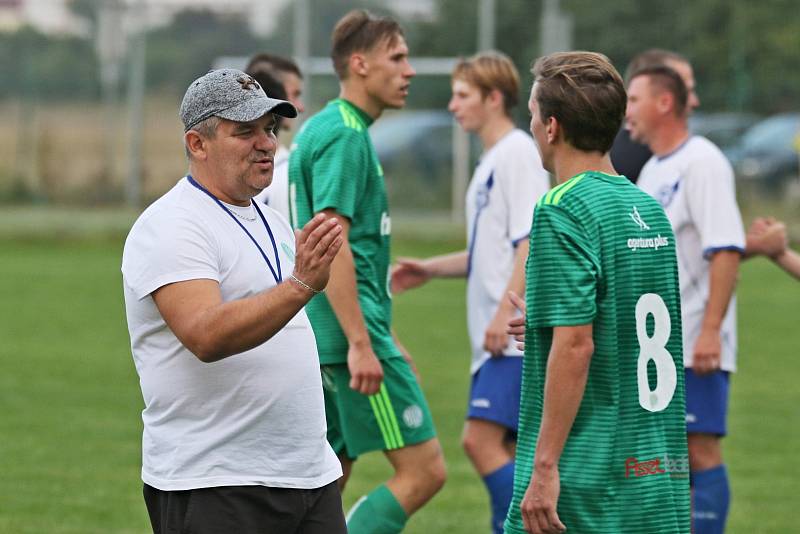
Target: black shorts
pixel 246 510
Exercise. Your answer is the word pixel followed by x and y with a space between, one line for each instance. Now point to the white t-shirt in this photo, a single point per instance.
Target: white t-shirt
pixel 695 186
pixel 505 187
pixel 276 196
pixel 256 418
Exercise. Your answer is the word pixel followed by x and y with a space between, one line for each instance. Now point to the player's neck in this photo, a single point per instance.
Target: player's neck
pixel 669 137
pixel 356 94
pixel 571 162
pixel 494 130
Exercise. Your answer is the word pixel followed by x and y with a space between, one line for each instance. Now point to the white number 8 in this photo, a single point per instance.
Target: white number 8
pixel 654 348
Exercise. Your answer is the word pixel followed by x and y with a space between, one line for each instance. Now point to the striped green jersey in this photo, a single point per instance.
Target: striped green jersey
pixel 602 252
pixel 334 165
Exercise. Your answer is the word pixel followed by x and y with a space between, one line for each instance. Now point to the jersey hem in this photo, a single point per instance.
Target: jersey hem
pixel 476 365
pixel 517 241
pixel 337 358
pixel 571 320
pixel 727 368
pixel 142 288
pixel 329 205
pixel 271 482
pixel 710 251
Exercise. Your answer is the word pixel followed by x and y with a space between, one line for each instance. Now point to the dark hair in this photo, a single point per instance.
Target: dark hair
pixel 488 71
pixel 272 64
pixel 585 94
pixel 651 58
pixel 360 31
pixel 666 79
pixel 274 89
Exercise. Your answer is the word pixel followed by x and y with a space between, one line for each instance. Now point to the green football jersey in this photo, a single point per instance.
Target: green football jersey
pixel 334 165
pixel 602 252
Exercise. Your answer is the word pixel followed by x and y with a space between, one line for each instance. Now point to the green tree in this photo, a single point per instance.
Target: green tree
pixel 187 48
pixel 454 32
pixel 744 53
pixel 38 65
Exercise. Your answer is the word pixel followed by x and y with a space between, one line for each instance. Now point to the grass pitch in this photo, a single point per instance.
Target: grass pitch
pixel 70 430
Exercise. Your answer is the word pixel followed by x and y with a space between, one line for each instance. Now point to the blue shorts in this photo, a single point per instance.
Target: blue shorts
pixel 707 402
pixel 494 394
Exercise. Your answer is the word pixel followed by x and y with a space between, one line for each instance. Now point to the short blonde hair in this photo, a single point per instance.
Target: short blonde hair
pixel 489 71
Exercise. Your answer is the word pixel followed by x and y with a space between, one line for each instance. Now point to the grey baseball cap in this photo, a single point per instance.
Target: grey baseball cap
pixel 230 94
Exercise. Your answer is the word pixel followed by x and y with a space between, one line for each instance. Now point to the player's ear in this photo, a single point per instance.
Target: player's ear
pixel 195 145
pixel 665 102
pixel 358 64
pixel 495 98
pixel 552 129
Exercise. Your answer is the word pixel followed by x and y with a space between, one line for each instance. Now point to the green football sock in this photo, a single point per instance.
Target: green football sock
pixel 377 513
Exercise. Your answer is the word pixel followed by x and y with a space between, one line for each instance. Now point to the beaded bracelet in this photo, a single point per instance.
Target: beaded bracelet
pixel 306 286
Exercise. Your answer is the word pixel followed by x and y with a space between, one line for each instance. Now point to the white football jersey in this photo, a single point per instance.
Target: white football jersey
pixel 505 187
pixel 276 196
pixel 695 186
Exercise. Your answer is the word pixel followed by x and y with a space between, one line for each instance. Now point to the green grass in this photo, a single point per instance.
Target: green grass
pixel 70 429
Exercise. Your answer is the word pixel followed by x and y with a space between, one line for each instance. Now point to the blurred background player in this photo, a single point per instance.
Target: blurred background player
pixel 629 155
pixel 602 437
pixel 268 69
pixel 693 182
pixel 274 89
pixel 373 399
pixel 506 184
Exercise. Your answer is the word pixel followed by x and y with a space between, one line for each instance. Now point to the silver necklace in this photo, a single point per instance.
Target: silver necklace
pixel 248 219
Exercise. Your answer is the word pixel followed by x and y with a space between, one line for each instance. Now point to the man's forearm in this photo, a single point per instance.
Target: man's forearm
pixel 723 273
pixel 567 372
pixel 452 265
pixel 223 329
pixel 789 261
pixel 343 297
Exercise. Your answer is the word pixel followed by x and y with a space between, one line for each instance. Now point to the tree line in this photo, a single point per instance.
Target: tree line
pixel 744 53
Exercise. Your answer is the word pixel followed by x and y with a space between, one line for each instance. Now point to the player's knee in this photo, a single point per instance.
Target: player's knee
pixel 704 451
pixel 435 477
pixel 428 477
pixel 342 482
pixel 347 467
pixel 471 445
pixel 438 473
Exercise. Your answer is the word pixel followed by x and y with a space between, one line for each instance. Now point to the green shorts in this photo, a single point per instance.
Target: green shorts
pixel 395 417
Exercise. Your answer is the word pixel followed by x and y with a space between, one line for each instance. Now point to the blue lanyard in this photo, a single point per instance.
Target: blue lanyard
pixel 277 276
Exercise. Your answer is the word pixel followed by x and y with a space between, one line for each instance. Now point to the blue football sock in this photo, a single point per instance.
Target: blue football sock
pixel 712 497
pixel 500 484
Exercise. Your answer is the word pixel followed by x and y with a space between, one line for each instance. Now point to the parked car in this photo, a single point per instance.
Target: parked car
pixel 423 136
pixel 415 149
pixel 723 129
pixel 769 153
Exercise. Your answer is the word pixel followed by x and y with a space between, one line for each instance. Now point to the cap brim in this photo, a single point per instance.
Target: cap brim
pixel 257 108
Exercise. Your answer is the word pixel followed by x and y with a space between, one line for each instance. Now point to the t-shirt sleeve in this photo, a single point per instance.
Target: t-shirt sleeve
pixel 523 181
pixel 165 249
pixel 339 172
pixel 564 269
pixel 712 204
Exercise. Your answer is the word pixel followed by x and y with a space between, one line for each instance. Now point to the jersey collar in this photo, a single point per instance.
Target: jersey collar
pixel 360 113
